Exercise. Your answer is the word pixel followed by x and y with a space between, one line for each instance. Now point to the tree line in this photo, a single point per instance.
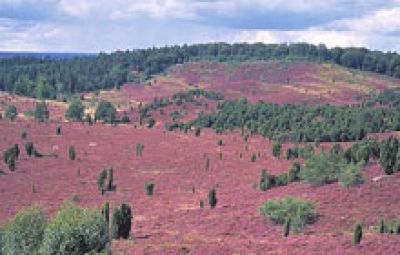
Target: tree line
pixel 59 77
pixel 298 123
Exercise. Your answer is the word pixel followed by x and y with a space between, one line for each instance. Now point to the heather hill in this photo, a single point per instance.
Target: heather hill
pixel 190 162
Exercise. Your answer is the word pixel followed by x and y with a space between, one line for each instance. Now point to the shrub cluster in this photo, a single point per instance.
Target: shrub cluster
pixel 73 230
pixel 300 211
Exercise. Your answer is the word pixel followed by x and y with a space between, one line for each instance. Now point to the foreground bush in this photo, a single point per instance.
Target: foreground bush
pixel 75 230
pixel 23 234
pixel 300 211
pixel 121 222
pixel 149 186
pixel 71 152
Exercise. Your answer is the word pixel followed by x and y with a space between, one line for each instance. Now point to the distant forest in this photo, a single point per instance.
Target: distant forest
pixel 55 78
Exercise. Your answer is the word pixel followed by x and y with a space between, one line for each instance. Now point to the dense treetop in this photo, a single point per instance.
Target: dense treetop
pixel 57 77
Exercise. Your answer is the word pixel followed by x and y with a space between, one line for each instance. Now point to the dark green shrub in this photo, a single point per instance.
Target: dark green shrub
pixel 299 210
pixel 197 131
pixel 75 110
pixel 382 227
pixel 58 130
pixel 101 180
pixel 125 119
pixel 151 122
pixel 23 234
pixel 24 135
pixel 121 222
pixel 149 186
pixel 41 112
pixel 276 149
pixel 282 179
pixel 105 211
pixel 294 172
pixel 89 119
pixel 11 112
pixel 75 230
pixel 267 181
pixel 110 179
pixel 253 158
pixel 220 143
pixel 29 148
pixel 139 149
pixel 201 204
pixel 357 235
pixel 207 164
pixel 212 197
pixel 388 155
pixel 71 152
pixel 286 227
pixel 351 175
pixel 11 164
pixel 105 111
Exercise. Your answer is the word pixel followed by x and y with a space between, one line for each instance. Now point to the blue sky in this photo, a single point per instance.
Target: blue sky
pixel 108 25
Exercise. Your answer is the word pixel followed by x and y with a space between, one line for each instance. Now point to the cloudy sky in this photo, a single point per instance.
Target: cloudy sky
pixel 108 25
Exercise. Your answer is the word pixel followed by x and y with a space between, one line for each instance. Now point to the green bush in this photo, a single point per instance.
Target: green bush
pixel 282 179
pixel 105 111
pixel 75 111
pixel 267 181
pixel 105 211
pixel 351 175
pixel 299 210
pixel 212 198
pixel 75 230
pixel 58 130
pixel 11 112
pixel 110 176
pixel 41 112
pixel 294 172
pixel 389 155
pixel 71 152
pixel 286 227
pixel 11 164
pixel 24 135
pixel 219 142
pixel 197 131
pixel 139 149
pixel 29 148
pixel 149 186
pixel 389 226
pixel 121 222
pixel 101 180
pixel 276 149
pixel 151 122
pixel 322 169
pixel 357 234
pixel 23 234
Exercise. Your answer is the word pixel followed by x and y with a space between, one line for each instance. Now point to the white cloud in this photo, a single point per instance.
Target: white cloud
pixel 380 21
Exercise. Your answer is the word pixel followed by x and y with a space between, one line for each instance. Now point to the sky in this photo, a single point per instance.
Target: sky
pixel 109 25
